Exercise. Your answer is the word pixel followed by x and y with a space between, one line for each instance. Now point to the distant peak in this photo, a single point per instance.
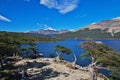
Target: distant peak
pixel 94 22
pixel 117 18
pixel 49 28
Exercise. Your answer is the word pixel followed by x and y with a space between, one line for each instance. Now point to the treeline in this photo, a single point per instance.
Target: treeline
pixel 26 37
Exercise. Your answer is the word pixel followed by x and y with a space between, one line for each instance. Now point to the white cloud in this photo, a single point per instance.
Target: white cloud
pixel 63 6
pixel 4 19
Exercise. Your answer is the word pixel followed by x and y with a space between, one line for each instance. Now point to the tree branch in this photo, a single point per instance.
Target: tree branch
pixel 75 59
pixel 57 53
pixel 99 67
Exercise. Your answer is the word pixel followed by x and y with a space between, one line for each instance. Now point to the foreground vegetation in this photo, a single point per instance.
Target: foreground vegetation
pixel 101 56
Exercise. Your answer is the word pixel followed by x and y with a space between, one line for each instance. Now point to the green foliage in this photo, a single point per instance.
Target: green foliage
pixel 92 48
pixel 115 74
pixel 62 49
pixel 86 54
pixel 8 45
pixel 104 55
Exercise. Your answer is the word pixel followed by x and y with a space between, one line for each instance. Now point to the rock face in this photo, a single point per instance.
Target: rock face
pixel 112 26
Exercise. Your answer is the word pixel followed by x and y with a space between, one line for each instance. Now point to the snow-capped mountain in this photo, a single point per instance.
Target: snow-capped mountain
pixel 49 31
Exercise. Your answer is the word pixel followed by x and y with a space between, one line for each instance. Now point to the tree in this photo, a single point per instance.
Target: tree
pixel 33 48
pixel 101 56
pixel 8 46
pixel 61 50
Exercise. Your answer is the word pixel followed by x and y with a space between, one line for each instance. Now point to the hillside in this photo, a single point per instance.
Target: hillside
pixel 106 29
pixel 25 37
pixel 112 26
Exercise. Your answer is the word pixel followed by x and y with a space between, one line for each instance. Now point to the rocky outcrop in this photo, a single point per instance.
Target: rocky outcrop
pixel 112 26
pixel 48 69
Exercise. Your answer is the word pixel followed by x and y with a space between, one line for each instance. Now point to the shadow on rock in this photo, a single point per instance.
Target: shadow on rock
pixel 36 64
pixel 45 74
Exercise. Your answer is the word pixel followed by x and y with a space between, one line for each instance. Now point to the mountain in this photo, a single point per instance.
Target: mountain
pixel 48 32
pixel 106 29
pixel 112 26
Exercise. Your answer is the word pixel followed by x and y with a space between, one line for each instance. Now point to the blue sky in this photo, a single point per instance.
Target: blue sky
pixel 31 15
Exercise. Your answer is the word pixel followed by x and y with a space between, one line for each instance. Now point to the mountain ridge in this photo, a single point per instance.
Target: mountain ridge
pixel 106 29
pixel 112 25
pixel 48 32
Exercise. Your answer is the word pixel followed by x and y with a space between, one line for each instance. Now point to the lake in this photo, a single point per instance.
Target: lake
pixel 47 48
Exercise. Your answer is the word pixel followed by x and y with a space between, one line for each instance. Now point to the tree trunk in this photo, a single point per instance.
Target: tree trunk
pixel 92 70
pixel 93 75
pixel 75 59
pixel 1 62
pixel 35 54
pixel 14 54
pixel 23 74
pixel 58 57
pixel 0 65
